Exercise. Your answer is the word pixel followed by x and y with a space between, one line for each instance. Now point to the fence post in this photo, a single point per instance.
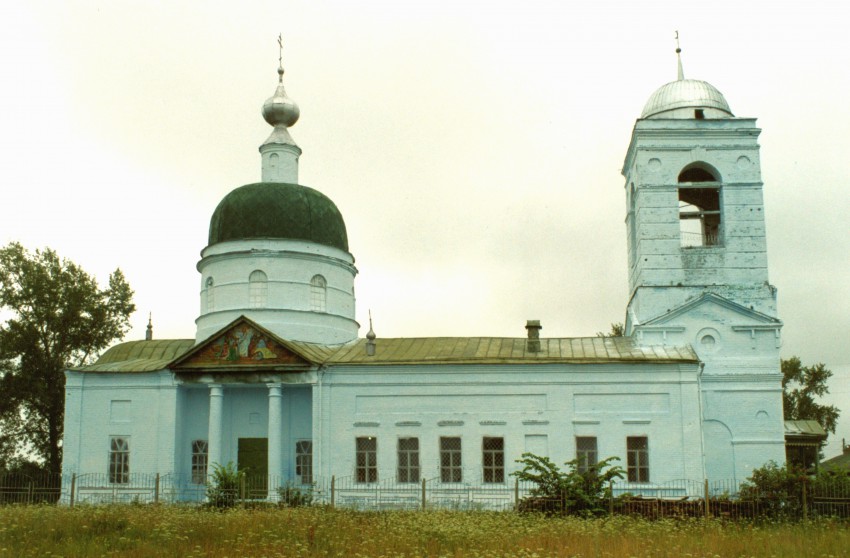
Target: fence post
pixel 29 492
pixel 707 509
pixel 610 497
pixel 242 487
pixel 423 494
pixel 333 490
pixel 73 487
pixel 516 493
pixel 156 489
pixel 805 503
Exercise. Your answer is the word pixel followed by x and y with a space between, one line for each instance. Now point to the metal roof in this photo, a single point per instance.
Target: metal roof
pixel 148 356
pixel 506 350
pixel 140 356
pixel 804 429
pixel 685 93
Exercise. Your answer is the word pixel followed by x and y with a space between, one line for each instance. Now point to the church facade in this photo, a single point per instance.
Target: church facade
pixel 278 382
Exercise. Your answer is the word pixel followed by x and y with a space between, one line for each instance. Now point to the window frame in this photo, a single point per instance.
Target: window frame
pixel 366 460
pixel 451 460
pixel 493 460
pixel 409 469
pixel 304 461
pixel 258 289
pixel 586 457
pixel 637 459
pixel 318 293
pixel 200 461
pixel 118 460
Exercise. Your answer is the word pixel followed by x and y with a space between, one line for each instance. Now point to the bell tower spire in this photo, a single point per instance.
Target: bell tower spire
pixel 280 152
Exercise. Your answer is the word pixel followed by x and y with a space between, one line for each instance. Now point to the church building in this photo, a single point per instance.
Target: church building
pixel 278 380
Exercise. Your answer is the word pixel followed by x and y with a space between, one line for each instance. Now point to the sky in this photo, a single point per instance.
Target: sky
pixel 474 148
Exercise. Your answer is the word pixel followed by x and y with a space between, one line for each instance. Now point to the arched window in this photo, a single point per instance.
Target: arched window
pixel 210 292
pixel 318 293
pixel 699 205
pixel 259 294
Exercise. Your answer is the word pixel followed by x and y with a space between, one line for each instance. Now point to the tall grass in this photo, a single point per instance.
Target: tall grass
pixel 136 531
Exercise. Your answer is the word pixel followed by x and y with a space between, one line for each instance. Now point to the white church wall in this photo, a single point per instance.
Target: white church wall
pixel 139 407
pixel 543 407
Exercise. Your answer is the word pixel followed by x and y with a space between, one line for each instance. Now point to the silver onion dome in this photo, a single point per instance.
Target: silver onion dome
pixel 279 109
pixel 685 93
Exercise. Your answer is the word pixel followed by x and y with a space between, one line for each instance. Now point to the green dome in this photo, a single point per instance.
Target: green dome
pixel 278 210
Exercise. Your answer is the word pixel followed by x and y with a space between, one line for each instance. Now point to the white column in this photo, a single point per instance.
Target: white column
pixel 275 435
pixel 215 427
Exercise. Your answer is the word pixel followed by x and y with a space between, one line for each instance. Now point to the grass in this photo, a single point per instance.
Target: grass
pixel 137 531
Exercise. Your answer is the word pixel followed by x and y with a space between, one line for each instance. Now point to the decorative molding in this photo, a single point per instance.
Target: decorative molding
pixel 637 421
pixel 408 423
pixel 450 423
pixel 492 422
pixel 534 422
pixel 585 421
pixel 367 424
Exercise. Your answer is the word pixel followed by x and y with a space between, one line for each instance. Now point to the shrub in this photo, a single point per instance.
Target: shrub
pixel 224 485
pixel 293 496
pixel 572 491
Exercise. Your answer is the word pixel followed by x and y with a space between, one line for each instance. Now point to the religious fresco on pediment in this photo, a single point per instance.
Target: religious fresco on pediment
pixel 244 344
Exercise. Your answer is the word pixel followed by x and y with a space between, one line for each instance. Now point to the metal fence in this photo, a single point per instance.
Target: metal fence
pixel 810 497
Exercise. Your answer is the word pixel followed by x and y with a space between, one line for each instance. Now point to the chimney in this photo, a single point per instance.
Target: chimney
pixel 533 327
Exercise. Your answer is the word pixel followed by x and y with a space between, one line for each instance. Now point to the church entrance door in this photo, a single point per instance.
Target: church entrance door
pixel 253 458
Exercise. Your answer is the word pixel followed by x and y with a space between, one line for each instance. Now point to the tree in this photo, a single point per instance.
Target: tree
pixel 617 330
pixel 59 318
pixel 801 386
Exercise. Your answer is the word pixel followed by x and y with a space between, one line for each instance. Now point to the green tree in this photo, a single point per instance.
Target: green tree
pixel 575 491
pixel 617 330
pixel 57 317
pixel 802 386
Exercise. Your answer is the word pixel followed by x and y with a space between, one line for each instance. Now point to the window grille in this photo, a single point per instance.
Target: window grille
pixel 494 459
pixel 119 460
pixel 638 458
pixel 304 461
pixel 200 453
pixel 367 459
pixel 259 289
pixel 586 452
pixel 450 460
pixel 318 293
pixel 408 460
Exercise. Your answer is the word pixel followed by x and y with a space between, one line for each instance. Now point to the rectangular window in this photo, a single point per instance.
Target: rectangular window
pixel 119 460
pixel 200 451
pixel 699 216
pixel 638 458
pixel 408 460
pixel 450 465
pixel 494 459
pixel 586 452
pixel 367 459
pixel 304 461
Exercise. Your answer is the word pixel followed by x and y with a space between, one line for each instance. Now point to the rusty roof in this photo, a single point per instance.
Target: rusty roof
pixel 148 356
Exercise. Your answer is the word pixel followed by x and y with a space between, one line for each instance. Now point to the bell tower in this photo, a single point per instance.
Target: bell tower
pixel 695 213
pixel 698 267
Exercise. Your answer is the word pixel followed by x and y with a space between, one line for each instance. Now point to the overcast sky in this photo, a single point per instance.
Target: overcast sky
pixel 474 148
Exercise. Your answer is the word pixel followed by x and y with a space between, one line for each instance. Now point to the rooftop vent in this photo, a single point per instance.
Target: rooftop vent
pixel 533 327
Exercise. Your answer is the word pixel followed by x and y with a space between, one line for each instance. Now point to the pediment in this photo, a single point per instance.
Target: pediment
pixel 724 309
pixel 242 345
